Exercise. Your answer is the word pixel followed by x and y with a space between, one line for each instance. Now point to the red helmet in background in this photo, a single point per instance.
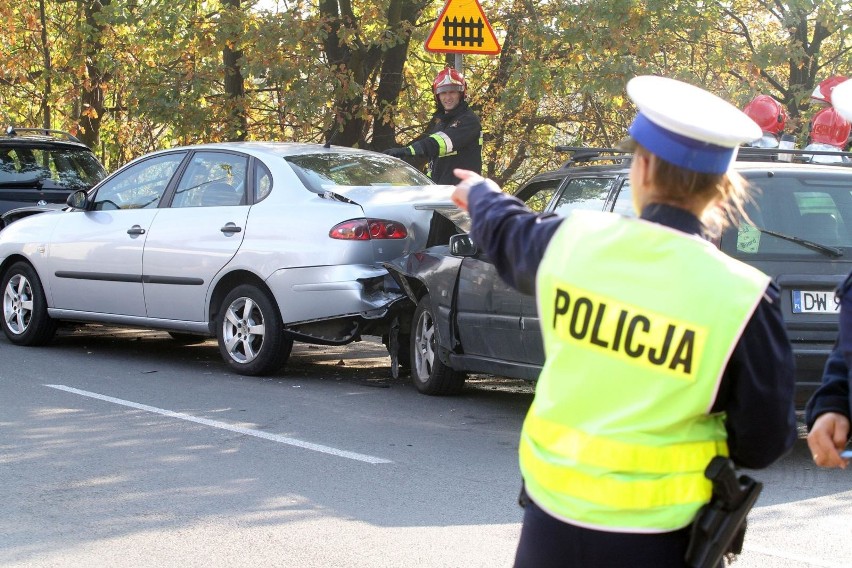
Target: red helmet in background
pixel 822 92
pixel 828 127
pixel 768 113
pixel 449 80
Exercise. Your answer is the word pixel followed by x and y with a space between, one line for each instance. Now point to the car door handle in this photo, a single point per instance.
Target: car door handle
pixel 135 230
pixel 230 228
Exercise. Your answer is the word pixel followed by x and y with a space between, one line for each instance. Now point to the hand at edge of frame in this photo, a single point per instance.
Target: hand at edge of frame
pixel 827 438
pixel 468 179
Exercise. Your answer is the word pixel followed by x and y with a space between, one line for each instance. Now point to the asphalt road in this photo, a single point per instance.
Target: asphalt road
pixel 121 448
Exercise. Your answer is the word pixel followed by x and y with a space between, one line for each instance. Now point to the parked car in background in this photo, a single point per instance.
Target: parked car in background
pixel 40 168
pixel 462 318
pixel 256 244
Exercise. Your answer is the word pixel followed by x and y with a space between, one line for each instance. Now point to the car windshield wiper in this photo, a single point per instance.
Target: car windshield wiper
pixel 32 182
pixel 824 249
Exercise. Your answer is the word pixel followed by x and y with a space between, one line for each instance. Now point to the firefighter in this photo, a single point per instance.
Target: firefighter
pixel 661 351
pixel 828 412
pixel 454 137
pixel 829 132
pixel 770 116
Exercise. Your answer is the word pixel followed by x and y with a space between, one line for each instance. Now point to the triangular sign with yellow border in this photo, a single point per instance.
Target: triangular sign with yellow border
pixel 462 28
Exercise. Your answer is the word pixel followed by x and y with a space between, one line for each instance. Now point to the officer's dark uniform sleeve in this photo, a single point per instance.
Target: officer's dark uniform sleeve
pixel 461 132
pixel 833 394
pixel 512 235
pixel 757 389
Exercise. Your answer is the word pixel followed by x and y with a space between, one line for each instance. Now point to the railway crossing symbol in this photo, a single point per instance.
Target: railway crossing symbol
pixel 462 28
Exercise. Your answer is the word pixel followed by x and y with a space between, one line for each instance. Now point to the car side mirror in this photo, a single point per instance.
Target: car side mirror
pixel 462 245
pixel 78 200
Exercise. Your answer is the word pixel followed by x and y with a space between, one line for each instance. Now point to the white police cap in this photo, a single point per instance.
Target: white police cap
pixel 688 126
pixel 841 99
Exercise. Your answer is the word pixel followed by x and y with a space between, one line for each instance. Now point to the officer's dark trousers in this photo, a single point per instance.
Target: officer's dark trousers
pixel 547 542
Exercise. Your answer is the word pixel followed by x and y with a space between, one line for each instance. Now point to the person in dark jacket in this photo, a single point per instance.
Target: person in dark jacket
pixel 454 137
pixel 661 351
pixel 828 412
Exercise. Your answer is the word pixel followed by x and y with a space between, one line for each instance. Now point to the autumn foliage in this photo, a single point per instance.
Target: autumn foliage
pixel 131 76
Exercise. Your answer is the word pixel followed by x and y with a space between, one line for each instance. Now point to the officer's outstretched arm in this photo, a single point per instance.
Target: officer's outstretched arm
pixel 468 180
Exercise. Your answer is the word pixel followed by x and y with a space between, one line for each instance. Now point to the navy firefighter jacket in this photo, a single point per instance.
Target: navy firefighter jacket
pixel 453 140
pixel 756 391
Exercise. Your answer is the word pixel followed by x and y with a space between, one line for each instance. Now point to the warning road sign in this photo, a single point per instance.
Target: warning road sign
pixel 462 28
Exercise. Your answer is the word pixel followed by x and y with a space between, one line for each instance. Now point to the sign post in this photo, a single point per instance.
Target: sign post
pixel 462 28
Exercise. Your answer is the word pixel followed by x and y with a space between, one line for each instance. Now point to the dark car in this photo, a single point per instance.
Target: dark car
pixel 40 168
pixel 463 318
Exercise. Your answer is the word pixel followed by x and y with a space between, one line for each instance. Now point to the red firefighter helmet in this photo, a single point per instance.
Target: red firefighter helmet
pixel 768 113
pixel 822 92
pixel 828 127
pixel 449 80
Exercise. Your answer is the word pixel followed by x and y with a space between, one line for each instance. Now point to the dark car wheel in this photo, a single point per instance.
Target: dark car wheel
pixel 250 332
pixel 429 373
pixel 25 319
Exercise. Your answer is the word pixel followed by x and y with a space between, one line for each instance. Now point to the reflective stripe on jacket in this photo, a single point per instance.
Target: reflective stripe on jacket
pixel 638 322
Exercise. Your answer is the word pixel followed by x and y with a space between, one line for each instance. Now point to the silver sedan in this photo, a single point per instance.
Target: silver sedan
pixel 257 244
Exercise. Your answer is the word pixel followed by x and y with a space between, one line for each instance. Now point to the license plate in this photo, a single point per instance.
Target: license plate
pixel 813 302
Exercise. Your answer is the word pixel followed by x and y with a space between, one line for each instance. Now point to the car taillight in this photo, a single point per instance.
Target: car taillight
pixel 367 229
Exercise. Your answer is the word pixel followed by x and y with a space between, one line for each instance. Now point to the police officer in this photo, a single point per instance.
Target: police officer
pixel 828 411
pixel 454 138
pixel 661 351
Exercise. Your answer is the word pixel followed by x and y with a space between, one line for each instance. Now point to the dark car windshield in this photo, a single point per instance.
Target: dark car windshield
pixel 795 214
pixel 49 167
pixel 320 171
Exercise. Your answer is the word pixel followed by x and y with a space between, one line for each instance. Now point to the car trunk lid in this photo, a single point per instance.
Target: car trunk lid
pixel 412 206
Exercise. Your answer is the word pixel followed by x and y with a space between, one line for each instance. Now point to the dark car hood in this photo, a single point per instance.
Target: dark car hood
pixel 18 213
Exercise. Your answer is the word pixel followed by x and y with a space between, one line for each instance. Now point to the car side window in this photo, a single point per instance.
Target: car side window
pixel 583 193
pixel 262 181
pixel 624 201
pixel 141 186
pixel 536 195
pixel 60 167
pixel 213 179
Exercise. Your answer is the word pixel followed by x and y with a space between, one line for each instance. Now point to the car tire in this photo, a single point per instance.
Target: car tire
pixel 429 374
pixel 251 335
pixel 187 338
pixel 25 319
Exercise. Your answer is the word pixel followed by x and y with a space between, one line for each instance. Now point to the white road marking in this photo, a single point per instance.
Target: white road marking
pixel 229 427
pixel 806 560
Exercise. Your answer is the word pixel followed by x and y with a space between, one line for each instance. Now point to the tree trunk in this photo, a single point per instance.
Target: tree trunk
pixel 92 95
pixel 234 86
pixel 390 82
pixel 358 62
pixel 48 71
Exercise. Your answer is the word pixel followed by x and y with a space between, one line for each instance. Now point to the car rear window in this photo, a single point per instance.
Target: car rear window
pixel 49 168
pixel 321 171
pixel 791 213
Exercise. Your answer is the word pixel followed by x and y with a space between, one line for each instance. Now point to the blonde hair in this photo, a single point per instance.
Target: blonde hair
pixel 724 196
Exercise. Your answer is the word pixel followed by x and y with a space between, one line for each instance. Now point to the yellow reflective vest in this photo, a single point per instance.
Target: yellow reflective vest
pixel 638 321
